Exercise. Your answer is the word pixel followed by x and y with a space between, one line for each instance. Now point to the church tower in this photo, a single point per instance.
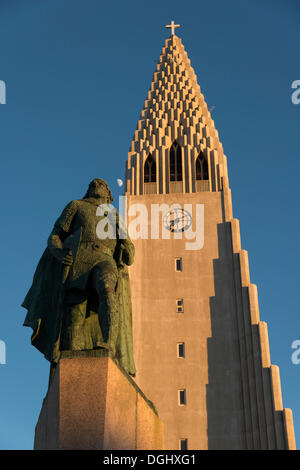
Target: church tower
pixel 201 351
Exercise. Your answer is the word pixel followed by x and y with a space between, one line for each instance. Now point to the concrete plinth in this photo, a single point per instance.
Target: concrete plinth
pixel 93 404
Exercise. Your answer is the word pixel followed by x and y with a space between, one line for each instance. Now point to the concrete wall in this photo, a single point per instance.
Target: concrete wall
pixel 233 392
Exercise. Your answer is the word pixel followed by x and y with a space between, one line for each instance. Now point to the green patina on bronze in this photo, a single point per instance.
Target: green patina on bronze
pixel 80 295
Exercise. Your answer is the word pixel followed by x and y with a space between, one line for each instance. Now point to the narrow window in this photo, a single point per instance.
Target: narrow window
pixel 178 264
pixel 180 350
pixel 150 170
pixel 183 444
pixel 175 162
pixel 201 167
pixel 179 305
pixel 182 397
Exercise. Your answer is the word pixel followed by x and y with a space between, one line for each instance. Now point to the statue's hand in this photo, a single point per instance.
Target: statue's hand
pixel 127 252
pixel 67 259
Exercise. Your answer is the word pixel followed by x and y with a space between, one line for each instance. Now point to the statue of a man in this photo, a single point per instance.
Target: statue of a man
pixel 80 296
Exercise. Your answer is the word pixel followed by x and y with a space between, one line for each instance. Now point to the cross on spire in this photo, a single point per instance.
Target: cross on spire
pixel 172 26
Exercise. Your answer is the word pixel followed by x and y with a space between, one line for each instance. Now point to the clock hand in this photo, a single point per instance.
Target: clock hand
pixel 173 222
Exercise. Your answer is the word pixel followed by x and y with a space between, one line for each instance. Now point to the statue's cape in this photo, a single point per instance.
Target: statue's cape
pixel 43 303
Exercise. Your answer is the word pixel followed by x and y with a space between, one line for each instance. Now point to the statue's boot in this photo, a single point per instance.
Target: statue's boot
pixel 108 311
pixel 74 337
pixel 109 320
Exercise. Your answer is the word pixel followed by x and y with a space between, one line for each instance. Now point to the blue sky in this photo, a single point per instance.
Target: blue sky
pixel 77 74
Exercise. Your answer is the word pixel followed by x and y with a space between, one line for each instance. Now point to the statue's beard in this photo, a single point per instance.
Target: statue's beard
pixel 99 199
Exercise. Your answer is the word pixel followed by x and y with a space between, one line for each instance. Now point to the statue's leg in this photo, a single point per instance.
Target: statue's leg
pixel 104 281
pixel 73 334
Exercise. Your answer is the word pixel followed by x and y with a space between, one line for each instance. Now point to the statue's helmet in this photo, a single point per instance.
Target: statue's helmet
pixel 110 198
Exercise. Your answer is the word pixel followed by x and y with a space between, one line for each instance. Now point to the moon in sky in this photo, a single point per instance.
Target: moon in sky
pixel 119 182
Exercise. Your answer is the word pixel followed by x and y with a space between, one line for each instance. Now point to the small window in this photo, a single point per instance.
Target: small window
pixel 179 305
pixel 182 397
pixel 180 350
pixel 178 264
pixel 150 170
pixel 175 162
pixel 201 167
pixel 183 444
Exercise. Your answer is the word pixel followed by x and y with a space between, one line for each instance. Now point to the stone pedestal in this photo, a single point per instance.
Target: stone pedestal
pixel 93 404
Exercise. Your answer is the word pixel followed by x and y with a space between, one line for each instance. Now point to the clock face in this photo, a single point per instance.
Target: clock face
pixel 177 220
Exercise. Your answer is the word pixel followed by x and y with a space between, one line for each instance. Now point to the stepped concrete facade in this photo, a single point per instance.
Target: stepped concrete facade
pixel 201 351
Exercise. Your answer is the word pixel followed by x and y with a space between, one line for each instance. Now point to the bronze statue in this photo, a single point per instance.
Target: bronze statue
pixel 80 295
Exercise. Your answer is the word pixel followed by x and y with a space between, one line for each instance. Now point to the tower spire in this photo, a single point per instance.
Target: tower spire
pixel 175 109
